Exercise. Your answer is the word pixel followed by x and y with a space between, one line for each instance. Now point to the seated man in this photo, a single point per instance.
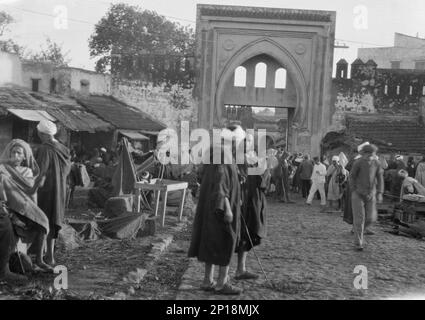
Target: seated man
pixel 410 185
pixel 18 171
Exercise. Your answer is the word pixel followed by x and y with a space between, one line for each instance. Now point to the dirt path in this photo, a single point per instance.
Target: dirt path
pixel 310 255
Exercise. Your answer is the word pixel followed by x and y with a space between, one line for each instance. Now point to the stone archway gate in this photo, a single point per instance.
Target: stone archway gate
pixel 300 40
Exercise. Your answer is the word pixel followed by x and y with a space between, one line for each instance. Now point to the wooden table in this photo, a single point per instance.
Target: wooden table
pixel 161 186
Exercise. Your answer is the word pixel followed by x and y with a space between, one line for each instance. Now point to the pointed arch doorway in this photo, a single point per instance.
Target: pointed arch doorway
pixel 298 41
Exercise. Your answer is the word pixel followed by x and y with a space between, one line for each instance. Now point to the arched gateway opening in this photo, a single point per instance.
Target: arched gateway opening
pixel 260 95
pixel 286 58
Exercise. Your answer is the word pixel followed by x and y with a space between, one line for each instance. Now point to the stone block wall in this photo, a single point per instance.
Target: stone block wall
pixel 168 105
pixel 377 91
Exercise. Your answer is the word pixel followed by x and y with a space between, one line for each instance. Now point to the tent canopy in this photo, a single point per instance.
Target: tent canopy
pixel 32 115
pixel 133 135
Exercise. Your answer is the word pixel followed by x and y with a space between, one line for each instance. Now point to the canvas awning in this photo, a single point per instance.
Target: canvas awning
pixel 153 133
pixel 133 135
pixel 31 115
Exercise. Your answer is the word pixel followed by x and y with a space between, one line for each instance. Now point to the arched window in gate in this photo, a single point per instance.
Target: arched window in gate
pixel 260 75
pixel 240 77
pixel 280 79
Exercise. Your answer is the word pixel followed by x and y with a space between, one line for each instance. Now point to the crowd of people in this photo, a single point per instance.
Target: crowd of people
pixel 231 214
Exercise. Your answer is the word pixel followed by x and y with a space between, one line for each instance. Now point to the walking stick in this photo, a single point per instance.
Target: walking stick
pixel 255 254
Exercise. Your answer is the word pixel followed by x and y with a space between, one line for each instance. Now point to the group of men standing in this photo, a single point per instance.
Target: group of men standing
pixel 230 216
pixel 354 186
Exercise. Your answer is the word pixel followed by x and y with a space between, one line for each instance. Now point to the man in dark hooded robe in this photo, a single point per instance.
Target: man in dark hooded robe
pixel 253 215
pixel 216 226
pixel 54 161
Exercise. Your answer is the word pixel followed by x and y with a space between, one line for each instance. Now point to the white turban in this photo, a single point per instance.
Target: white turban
pixel 238 133
pixel 360 147
pixel 399 157
pixel 47 127
pixel 335 158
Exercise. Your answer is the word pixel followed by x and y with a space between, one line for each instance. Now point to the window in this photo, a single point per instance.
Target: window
pixel 35 84
pixel 395 64
pixel 386 89
pixel 85 86
pixel 398 90
pixel 280 79
pixel 53 85
pixel 260 75
pixel 240 77
pixel 420 65
pixel 411 90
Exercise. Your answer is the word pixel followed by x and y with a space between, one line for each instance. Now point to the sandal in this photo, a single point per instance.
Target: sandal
pixel 228 290
pixel 247 276
pixel 210 287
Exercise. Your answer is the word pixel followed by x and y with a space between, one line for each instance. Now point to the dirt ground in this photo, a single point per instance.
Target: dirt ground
pixel 102 269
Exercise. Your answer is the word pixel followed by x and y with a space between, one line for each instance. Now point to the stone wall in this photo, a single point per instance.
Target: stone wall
pixel 44 71
pixel 68 80
pixel 168 105
pixel 377 91
pixel 99 83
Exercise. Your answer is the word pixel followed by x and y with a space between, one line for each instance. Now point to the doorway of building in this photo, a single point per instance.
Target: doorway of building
pixel 273 120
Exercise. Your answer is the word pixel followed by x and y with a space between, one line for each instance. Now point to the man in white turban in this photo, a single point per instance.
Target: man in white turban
pixel 217 223
pixel 47 127
pixel 54 160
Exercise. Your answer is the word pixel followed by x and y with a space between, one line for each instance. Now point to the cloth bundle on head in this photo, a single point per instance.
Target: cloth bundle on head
pixel 47 127
pixel 343 160
pixel 403 173
pixel 232 133
pixel 235 132
pixel 299 158
pixel 370 148
pixel 360 147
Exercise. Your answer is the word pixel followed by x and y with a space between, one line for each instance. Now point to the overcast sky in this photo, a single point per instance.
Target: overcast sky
pixel 35 20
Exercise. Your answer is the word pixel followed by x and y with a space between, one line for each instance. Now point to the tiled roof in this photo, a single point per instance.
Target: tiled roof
pixel 16 98
pixel 71 114
pixel 120 114
pixel 389 133
pixel 65 110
